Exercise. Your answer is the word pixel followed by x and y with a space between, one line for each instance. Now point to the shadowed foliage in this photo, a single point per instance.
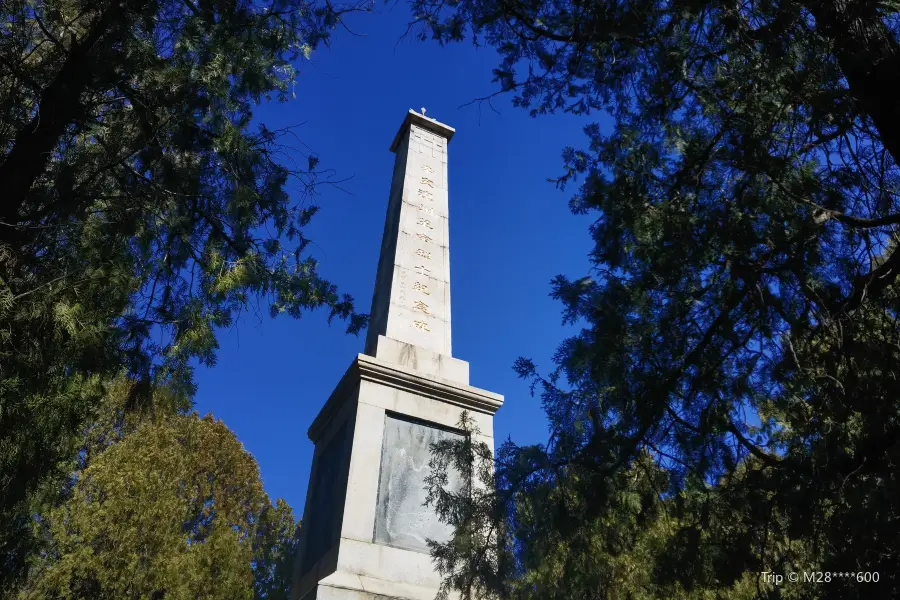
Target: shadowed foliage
pixel 140 210
pixel 739 326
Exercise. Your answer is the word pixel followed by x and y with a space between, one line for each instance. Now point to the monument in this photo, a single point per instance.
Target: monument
pixel 365 527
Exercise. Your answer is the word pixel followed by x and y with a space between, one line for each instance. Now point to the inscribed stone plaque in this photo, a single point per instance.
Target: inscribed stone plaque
pixel 402 520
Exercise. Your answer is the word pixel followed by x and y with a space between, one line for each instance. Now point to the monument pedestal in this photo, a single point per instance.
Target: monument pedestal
pixel 365 527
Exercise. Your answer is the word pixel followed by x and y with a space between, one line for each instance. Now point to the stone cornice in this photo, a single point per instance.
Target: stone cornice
pixel 368 368
pixel 402 378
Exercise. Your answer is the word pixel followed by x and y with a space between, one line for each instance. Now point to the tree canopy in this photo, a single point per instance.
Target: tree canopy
pixel 142 209
pixel 739 324
pixel 175 509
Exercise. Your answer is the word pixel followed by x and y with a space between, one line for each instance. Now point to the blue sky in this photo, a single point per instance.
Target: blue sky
pixel 510 233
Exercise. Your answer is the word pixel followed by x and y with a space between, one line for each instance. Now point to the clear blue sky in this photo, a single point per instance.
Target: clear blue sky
pixel 510 233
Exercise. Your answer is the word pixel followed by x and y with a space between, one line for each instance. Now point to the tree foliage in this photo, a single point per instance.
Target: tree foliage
pixel 740 320
pixel 175 509
pixel 519 534
pixel 141 209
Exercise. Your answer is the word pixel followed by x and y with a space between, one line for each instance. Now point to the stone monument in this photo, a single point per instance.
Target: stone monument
pixel 365 528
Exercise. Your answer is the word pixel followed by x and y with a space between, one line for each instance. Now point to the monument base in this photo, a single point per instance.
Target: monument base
pixel 341 586
pixel 365 528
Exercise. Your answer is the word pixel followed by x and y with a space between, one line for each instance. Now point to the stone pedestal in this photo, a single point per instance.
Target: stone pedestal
pixel 365 528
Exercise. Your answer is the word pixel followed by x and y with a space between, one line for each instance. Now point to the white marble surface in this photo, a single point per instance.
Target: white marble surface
pixel 422 360
pixel 412 294
pixel 405 392
pixel 401 518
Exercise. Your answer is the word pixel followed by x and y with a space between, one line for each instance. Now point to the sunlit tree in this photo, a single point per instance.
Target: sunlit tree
pixel 141 209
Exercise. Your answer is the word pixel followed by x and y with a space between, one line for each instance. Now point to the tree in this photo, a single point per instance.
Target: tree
pixel 141 211
pixel 175 509
pixel 520 534
pixel 740 319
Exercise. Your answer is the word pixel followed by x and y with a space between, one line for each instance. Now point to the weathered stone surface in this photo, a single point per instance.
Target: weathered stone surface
pixel 326 506
pixel 412 290
pixel 402 520
pixel 365 524
pixel 422 361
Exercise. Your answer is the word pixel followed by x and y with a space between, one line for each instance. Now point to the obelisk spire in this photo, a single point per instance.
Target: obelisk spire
pixel 369 523
pixel 412 288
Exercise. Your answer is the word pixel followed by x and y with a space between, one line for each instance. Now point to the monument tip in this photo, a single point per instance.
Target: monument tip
pixel 420 120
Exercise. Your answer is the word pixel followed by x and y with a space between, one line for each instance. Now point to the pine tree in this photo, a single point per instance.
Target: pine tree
pixel 740 318
pixel 141 210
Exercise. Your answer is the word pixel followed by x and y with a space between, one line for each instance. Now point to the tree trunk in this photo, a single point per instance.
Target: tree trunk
pixel 869 57
pixel 59 106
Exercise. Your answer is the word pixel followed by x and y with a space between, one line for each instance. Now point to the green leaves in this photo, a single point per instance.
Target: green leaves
pixel 174 509
pixel 740 323
pixel 141 212
pixel 473 561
